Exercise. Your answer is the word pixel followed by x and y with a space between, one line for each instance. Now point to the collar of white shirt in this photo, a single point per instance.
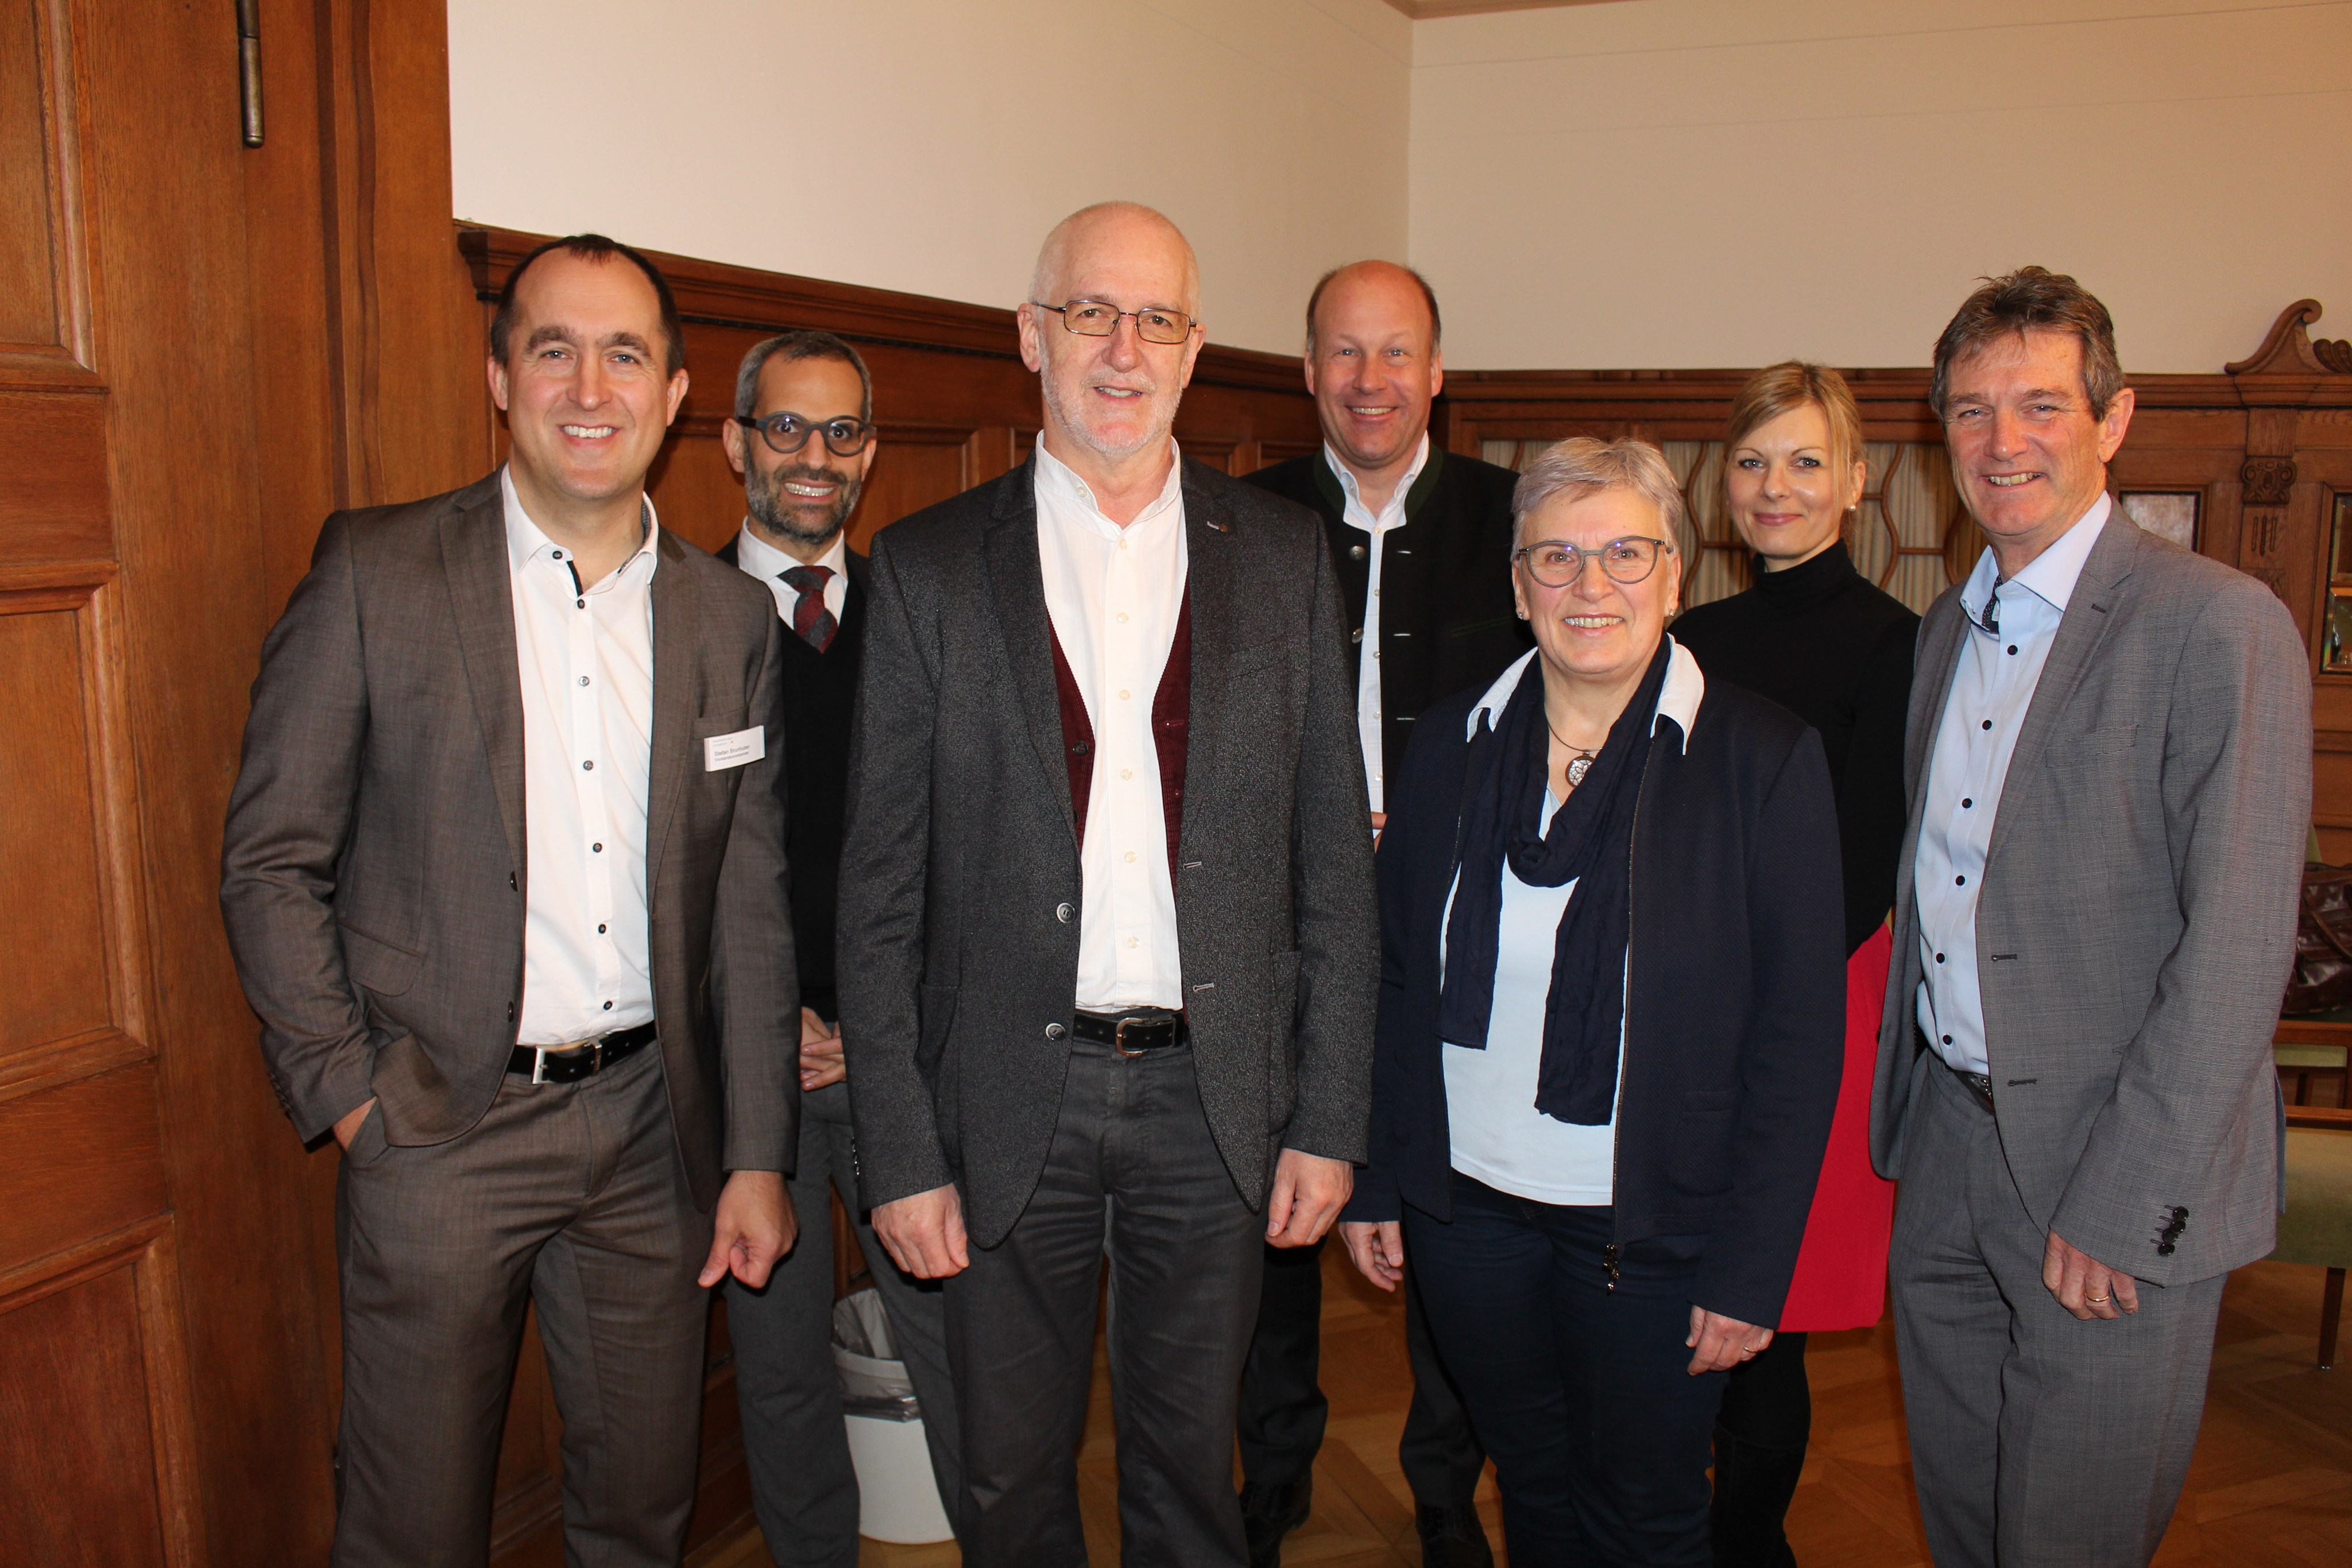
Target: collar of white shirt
pixel 1678 699
pixel 525 540
pixel 1056 479
pixel 2050 576
pixel 1356 515
pixel 769 564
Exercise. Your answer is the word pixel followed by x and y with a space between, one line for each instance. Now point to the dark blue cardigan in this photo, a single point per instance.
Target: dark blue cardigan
pixel 1735 1008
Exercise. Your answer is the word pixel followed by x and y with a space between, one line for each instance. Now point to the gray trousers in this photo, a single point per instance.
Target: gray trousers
pixel 2036 1437
pixel 802 1486
pixel 568 1195
pixel 1133 1171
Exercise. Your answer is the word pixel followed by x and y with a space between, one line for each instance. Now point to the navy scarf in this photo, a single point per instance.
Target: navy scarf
pixel 1591 843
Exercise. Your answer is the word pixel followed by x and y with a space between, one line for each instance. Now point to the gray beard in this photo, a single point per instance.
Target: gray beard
pixel 1158 431
pixel 763 497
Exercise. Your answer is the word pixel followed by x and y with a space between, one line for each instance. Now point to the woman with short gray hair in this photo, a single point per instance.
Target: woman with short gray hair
pixel 1611 1009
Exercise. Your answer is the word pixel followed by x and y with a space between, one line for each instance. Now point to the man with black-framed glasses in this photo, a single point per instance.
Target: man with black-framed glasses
pixel 803 439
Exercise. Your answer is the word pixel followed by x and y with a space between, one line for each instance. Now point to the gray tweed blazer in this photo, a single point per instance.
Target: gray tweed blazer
pixel 2138 911
pixel 956 949
pixel 373 866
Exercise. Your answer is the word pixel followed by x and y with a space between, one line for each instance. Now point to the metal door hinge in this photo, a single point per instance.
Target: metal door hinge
pixel 249 68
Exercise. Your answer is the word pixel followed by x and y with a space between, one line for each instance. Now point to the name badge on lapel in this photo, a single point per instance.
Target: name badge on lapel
pixel 720 752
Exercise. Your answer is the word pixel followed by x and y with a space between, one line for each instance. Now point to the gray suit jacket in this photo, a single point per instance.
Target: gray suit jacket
pixel 2137 918
pixel 959 940
pixel 373 865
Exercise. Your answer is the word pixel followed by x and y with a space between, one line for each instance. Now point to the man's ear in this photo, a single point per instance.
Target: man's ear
pixel 731 438
pixel 498 374
pixel 677 385
pixel 2117 423
pixel 1031 351
pixel 1437 372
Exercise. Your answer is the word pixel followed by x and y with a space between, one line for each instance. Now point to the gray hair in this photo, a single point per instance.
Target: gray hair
pixel 1580 467
pixel 799 345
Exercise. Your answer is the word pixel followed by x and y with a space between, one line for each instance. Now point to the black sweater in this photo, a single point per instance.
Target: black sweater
pixel 1824 642
pixel 1447 616
pixel 1735 993
pixel 819 691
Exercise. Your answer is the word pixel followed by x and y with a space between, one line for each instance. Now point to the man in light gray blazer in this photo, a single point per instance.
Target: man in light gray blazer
pixel 2110 778
pixel 1107 948
pixel 504 877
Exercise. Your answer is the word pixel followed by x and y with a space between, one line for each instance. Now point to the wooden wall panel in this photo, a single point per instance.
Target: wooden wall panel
pixel 53 492
pixel 93 1386
pixel 44 255
pixel 55 972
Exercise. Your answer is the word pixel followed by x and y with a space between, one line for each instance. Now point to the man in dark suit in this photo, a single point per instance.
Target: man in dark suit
pixel 1108 955
pixel 802 438
pixel 1433 607
pixel 504 877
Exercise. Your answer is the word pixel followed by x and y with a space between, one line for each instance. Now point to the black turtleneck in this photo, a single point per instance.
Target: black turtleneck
pixel 1832 648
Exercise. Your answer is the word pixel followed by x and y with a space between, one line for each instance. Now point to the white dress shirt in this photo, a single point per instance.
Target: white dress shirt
pixel 1497 1135
pixel 1114 595
pixel 1356 515
pixel 769 564
pixel 587 665
pixel 1992 689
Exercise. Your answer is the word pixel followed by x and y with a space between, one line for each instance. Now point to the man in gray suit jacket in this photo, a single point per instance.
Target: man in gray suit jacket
pixel 504 876
pixel 1107 943
pixel 2110 778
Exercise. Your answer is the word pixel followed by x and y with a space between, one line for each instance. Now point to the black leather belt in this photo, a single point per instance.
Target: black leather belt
pixel 1133 1032
pixel 570 1063
pixel 1978 1084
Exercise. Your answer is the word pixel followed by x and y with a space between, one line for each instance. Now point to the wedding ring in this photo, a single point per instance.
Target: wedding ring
pixel 2099 1300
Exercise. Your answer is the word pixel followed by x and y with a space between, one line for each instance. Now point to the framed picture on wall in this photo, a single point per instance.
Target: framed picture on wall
pixel 2168 514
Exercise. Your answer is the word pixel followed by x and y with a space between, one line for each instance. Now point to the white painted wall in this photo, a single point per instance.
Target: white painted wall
pixel 928 145
pixel 1641 184
pixel 1725 182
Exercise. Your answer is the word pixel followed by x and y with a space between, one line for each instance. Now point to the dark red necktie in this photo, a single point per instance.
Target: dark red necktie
pixel 812 621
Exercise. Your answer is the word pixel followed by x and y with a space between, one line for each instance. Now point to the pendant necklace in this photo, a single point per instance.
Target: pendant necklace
pixel 1579 765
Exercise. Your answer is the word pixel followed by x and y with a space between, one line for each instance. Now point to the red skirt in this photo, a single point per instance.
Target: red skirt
pixel 1840 1279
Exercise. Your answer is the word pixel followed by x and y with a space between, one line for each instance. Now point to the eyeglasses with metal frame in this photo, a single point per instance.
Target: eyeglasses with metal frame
pixel 786 432
pixel 1100 318
pixel 1555 563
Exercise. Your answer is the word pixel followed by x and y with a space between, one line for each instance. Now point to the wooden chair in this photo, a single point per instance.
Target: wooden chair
pixel 2316 1227
pixel 2311 1054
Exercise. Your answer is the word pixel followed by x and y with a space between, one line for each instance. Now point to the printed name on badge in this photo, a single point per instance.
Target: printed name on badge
pixel 724 751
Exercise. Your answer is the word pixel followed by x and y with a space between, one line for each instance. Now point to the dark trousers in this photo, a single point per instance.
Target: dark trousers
pixel 1760 1433
pixel 1283 1409
pixel 794 1444
pixel 566 1195
pixel 1599 1436
pixel 1134 1173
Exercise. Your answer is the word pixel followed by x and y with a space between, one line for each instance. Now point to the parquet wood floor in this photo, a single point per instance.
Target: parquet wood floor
pixel 2270 1486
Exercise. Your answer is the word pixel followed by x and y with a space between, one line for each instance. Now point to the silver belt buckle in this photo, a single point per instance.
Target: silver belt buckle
pixel 539 1053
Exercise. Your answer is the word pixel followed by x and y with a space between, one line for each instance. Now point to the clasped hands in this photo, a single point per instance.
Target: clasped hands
pixel 925 1234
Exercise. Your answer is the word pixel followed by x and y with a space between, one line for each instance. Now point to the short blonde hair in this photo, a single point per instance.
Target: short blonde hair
pixel 1792 384
pixel 1581 465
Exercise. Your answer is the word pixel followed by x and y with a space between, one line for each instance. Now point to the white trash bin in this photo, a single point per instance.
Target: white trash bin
pixel 897 1495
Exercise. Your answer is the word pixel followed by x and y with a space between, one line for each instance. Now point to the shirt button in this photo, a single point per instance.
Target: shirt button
pixel 1122 616
pixel 1939 957
pixel 579 604
pixel 2012 650
pixel 1988 724
pixel 1127 772
pixel 600 931
pixel 1965 802
pixel 1065 912
pixel 556 553
pixel 584 680
pixel 1132 941
pixel 608 1007
pixel 1959 882
pixel 1131 860
pixel 1947 1040
pixel 1122 694
pixel 588 767
pixel 597 849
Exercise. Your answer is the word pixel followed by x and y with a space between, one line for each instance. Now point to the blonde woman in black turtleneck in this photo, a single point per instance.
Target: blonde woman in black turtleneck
pixel 1821 640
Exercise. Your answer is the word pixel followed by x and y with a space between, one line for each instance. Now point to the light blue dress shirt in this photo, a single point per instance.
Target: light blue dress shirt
pixel 1992 689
